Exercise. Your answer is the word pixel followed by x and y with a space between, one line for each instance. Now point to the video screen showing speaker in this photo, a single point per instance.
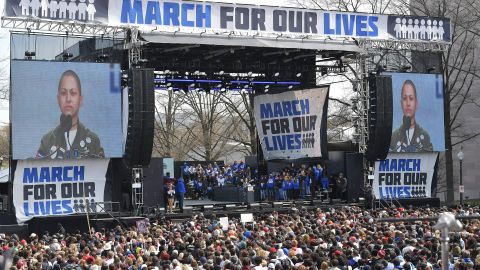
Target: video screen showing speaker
pixel 418 120
pixel 65 110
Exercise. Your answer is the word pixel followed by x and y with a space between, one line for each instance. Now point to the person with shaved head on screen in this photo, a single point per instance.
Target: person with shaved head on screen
pixel 70 139
pixel 410 137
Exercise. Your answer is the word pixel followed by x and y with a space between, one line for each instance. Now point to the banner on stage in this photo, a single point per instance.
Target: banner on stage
pixel 55 188
pixel 404 175
pixel 292 124
pixel 187 17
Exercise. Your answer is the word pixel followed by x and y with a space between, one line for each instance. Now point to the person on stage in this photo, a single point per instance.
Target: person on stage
pixel 410 136
pixel 70 139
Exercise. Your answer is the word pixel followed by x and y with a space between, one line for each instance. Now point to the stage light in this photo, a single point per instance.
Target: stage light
pixel 29 55
pixel 223 89
pixel 299 74
pixel 187 73
pixel 167 71
pixel 276 74
pixel 249 74
pixel 197 89
pixel 192 85
pixel 170 88
pixel 290 86
pixel 169 84
pixel 219 85
pixel 431 69
pixel 196 72
pixel 66 56
pixel 221 72
pixel 101 58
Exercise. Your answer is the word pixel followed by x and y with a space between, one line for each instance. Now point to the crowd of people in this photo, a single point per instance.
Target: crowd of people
pixel 290 183
pixel 345 238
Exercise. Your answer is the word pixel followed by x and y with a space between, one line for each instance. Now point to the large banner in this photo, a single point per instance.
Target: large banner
pixel 66 110
pixel 292 124
pixel 55 188
pixel 404 175
pixel 418 119
pixel 191 16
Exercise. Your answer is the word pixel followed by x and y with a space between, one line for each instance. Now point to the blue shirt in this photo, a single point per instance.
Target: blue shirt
pixel 180 186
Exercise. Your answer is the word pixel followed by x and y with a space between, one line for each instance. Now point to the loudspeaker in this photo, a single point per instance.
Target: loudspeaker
pixel 355 176
pixel 141 114
pixel 153 191
pixel 379 117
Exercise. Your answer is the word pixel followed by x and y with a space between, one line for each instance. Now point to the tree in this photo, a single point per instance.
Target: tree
pixel 207 122
pixel 240 106
pixel 170 138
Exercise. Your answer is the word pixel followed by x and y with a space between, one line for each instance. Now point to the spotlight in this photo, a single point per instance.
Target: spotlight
pixel 276 74
pixel 196 72
pixel 29 55
pixel 219 85
pixel 223 89
pixel 197 89
pixel 299 74
pixel 167 71
pixel 66 56
pixel 187 73
pixel 192 85
pixel 249 73
pixel 101 58
pixel 170 88
pixel 290 87
pixel 221 72
pixel 169 84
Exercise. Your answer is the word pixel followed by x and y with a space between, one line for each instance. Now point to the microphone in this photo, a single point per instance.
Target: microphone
pixel 407 120
pixel 66 124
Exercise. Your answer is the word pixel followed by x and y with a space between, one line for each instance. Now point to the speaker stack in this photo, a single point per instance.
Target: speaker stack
pixel 141 114
pixel 379 117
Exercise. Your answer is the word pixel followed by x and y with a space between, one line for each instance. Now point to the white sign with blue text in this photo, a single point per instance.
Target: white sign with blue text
pixel 56 188
pixel 289 124
pixel 187 16
pixel 404 175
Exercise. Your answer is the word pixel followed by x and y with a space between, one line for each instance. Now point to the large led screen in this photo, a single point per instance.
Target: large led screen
pixel 418 121
pixel 65 110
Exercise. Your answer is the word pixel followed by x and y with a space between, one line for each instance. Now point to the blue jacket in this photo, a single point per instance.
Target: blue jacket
pixel 180 186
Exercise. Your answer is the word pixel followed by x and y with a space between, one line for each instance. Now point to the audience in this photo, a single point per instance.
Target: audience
pixel 340 239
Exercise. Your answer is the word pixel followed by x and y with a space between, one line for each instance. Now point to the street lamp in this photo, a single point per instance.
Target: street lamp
pixel 461 189
pixel 446 223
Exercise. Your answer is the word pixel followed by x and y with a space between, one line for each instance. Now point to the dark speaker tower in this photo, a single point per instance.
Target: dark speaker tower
pixel 141 109
pixel 380 117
